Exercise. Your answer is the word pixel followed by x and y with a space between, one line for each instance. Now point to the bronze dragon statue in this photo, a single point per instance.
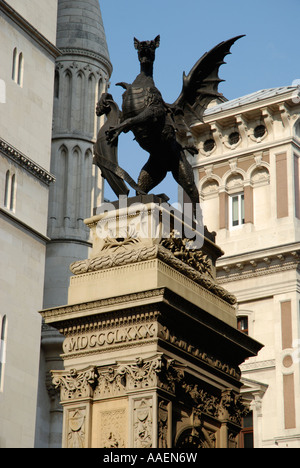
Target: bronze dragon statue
pixel 158 127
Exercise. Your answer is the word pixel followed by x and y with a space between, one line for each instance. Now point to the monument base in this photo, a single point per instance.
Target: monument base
pixel 151 351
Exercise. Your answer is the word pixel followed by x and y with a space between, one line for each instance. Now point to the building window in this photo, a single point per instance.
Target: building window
pixel 236 210
pixel 234 138
pixel 246 434
pixel 14 64
pixel 209 145
pixel 10 191
pixel 17 67
pixel 259 131
pixel 3 333
pixel 242 324
pixel 56 84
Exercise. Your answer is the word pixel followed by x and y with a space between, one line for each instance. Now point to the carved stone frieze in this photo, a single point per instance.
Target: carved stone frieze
pixel 255 267
pixel 166 334
pixel 126 377
pixel 114 258
pixel 104 338
pixel 174 251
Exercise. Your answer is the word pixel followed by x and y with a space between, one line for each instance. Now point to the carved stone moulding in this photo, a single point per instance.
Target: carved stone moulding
pixel 195 265
pixel 271 263
pixel 162 322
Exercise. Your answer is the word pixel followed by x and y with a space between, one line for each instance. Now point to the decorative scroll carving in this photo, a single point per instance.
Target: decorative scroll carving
pixel 110 383
pixel 141 374
pixel 75 384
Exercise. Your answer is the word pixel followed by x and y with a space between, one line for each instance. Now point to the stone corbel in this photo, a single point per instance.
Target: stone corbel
pixel 243 128
pixel 233 164
pixel 268 119
pixel 285 116
pixel 258 158
pixel 209 170
pixel 217 135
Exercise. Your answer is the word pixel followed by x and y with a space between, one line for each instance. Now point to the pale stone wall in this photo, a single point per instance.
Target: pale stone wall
pixel 42 15
pixel 25 147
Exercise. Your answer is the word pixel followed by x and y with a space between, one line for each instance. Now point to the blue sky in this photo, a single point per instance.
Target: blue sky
pixel 267 57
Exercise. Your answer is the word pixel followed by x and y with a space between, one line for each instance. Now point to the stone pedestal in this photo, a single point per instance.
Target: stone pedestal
pixel 151 351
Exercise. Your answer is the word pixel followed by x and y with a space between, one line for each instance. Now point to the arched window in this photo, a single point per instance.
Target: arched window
pixel 56 84
pixel 10 191
pixel 15 64
pixel 17 67
pixel 3 338
pixel 20 69
pixel 7 189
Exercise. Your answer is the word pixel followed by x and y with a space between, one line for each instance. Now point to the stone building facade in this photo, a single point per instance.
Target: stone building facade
pixel 248 176
pixel 28 53
pixel 55 64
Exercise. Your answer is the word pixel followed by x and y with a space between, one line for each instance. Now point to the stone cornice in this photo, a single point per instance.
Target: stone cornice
pixel 25 162
pixel 50 48
pixel 246 107
pixel 70 312
pixel 256 264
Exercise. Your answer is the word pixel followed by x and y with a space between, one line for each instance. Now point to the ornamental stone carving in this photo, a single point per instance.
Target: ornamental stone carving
pixel 75 384
pixel 232 407
pixel 174 251
pixel 143 423
pixel 76 429
pixel 112 428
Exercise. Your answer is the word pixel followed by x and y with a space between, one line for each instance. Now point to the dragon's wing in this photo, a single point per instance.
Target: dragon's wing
pixel 201 85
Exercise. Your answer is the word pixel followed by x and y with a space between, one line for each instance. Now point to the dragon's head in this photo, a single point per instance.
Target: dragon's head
pixel 103 105
pixel 146 49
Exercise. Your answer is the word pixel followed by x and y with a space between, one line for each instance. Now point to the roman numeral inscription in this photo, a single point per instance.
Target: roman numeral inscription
pixel 109 337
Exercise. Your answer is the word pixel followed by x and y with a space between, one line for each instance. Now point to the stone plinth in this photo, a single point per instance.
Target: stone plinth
pixel 151 350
